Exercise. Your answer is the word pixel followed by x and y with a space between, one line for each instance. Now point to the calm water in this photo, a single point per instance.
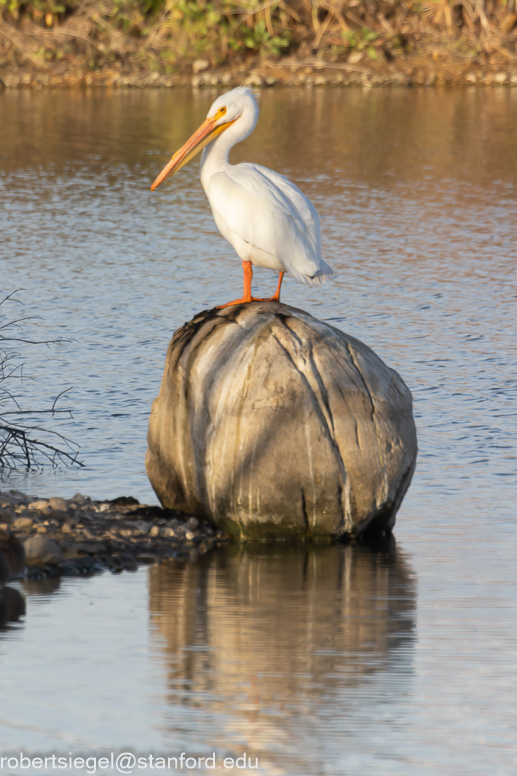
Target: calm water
pixel 327 661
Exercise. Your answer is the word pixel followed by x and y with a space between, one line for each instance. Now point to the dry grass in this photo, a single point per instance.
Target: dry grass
pixel 171 36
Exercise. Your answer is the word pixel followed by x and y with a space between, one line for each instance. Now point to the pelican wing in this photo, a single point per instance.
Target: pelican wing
pixel 270 213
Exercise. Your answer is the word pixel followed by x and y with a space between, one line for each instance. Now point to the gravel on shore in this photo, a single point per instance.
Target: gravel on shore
pixel 81 536
pixel 289 71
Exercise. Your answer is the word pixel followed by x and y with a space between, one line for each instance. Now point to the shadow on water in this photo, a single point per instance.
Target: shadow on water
pixel 276 641
pixel 12 607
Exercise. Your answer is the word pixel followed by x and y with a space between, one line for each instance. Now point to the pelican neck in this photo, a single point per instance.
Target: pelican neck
pixel 215 155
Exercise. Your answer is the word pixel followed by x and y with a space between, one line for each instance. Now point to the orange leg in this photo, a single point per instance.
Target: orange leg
pixel 276 296
pixel 247 297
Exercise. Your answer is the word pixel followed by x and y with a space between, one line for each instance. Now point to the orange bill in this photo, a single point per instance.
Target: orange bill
pixel 201 138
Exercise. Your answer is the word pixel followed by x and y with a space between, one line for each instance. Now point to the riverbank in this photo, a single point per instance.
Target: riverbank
pixel 223 43
pixel 81 536
pixel 312 72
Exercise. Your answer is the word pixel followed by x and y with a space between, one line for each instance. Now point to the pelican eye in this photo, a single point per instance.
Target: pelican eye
pixel 220 113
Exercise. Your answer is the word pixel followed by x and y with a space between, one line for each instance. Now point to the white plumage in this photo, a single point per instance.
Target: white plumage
pixel 266 218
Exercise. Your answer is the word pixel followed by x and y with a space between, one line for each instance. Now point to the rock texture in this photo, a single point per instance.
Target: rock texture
pixel 40 551
pixel 273 425
pixel 88 537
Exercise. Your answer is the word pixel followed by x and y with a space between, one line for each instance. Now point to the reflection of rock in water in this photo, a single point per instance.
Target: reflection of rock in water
pixel 12 563
pixel 43 587
pixel 12 602
pixel 12 557
pixel 263 629
pixel 12 606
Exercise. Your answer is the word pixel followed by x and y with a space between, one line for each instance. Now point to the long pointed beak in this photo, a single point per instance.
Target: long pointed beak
pixel 201 138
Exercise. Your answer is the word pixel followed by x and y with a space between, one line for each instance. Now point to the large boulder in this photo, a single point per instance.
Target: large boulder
pixel 273 425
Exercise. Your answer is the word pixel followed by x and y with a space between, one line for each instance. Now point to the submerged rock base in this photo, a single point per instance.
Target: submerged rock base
pixel 80 537
pixel 272 425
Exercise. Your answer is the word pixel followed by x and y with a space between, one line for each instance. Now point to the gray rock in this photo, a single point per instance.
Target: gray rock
pixel 22 523
pixel 9 500
pixel 41 551
pixel 141 526
pixel 92 548
pixel 80 499
pixel 58 504
pixel 12 557
pixel 6 516
pixel 271 424
pixel 39 504
pixel 192 524
pixel 18 496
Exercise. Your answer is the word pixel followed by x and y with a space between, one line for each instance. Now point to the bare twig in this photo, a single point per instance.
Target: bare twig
pixel 18 444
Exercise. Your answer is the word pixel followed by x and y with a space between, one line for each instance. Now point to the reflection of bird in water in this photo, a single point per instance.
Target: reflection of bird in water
pixel 266 218
pixel 12 557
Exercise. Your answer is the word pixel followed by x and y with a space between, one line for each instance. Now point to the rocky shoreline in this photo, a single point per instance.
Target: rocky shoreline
pixel 289 71
pixel 81 537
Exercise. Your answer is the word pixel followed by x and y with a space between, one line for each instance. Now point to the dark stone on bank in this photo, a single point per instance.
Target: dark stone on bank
pixel 124 501
pixel 81 537
pixel 12 557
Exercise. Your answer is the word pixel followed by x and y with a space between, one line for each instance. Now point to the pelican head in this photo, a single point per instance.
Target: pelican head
pixel 224 112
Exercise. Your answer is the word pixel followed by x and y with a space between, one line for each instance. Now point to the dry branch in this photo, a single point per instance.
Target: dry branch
pixel 22 444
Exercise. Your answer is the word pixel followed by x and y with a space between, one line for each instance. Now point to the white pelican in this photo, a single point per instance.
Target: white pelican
pixel 266 218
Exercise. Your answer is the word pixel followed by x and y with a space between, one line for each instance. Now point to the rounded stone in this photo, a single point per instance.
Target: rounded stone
pixel 40 504
pixel 18 496
pixel 22 523
pixel 79 499
pixel 200 64
pixel 58 504
pixel 6 516
pixel 41 551
pixel 271 424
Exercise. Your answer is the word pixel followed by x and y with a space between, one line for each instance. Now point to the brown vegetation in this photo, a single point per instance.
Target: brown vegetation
pixel 179 38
